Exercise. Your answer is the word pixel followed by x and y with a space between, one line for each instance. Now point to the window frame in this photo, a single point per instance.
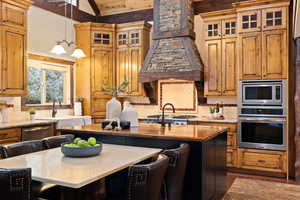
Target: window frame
pixel 25 107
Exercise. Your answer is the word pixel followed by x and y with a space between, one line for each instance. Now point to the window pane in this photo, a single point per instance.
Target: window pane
pixel 54 85
pixel 34 86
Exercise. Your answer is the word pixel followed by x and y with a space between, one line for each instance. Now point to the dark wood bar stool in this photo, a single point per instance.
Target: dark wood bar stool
pixel 56 141
pixel 144 181
pixel 15 184
pixel 176 171
pixel 39 189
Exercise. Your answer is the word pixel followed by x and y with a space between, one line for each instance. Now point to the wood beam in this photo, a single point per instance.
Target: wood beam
pixel 141 15
pixel 147 14
pixel 94 7
pixel 78 15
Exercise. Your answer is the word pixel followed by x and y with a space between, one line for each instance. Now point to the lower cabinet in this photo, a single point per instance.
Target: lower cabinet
pixel 231 157
pixel 262 160
pixel 8 136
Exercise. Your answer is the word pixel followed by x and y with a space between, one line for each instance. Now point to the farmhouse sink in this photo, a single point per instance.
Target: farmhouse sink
pixel 69 120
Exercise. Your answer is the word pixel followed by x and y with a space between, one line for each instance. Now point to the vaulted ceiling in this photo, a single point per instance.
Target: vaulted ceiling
pixel 110 7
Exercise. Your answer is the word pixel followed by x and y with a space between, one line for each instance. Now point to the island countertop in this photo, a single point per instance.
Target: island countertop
pixel 182 132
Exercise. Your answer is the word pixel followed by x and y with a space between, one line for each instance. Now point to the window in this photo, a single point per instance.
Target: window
pixel 48 82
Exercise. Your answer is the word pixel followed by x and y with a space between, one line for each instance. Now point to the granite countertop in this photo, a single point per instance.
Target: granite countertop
pixel 182 132
pixel 24 123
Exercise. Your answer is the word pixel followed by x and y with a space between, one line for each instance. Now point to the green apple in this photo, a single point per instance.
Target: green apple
pixel 76 140
pixel 92 141
pixel 82 144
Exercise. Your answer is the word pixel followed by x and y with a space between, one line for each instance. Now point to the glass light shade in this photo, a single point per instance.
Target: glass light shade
pixel 58 49
pixel 78 53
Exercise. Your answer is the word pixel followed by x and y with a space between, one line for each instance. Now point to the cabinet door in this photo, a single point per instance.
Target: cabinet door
pixel 213 68
pixel 122 40
pixel 229 27
pixel 213 29
pixel 135 63
pixel 274 18
pixel 122 65
pixel 274 54
pixel 135 38
pixel 250 56
pixel 102 76
pixel 102 39
pixel 229 66
pixel 14 16
pixel 249 21
pixel 14 62
pixel 102 69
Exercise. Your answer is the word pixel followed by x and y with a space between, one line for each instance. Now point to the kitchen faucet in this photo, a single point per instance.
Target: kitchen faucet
pixel 54 110
pixel 163 114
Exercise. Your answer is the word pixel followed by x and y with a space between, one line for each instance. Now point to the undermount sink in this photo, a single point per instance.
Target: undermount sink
pixel 69 120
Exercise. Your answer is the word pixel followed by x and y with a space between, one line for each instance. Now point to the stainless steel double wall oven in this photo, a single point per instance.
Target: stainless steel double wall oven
pixel 262 114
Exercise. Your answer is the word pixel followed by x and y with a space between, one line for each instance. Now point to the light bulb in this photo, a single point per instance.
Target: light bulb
pixel 78 53
pixel 58 49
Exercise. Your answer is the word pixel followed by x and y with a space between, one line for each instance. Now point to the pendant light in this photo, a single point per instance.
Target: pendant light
pixel 59 49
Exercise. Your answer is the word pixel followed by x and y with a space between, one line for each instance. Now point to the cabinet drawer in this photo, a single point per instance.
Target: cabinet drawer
pixel 231 158
pixel 272 161
pixel 231 140
pixel 13 15
pixel 10 133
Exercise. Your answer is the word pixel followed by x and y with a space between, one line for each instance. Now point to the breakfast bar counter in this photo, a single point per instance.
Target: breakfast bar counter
pixel 180 132
pixel 205 176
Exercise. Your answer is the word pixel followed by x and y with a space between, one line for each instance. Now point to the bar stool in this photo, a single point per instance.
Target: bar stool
pixel 39 189
pixel 56 141
pixel 144 181
pixel 176 171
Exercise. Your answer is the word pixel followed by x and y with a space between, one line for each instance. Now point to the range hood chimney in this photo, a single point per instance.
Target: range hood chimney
pixel 173 54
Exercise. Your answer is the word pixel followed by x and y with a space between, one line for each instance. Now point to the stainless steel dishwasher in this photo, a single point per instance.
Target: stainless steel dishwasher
pixel 37 132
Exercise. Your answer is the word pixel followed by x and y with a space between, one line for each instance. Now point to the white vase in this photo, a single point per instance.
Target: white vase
pixel 113 109
pixel 129 113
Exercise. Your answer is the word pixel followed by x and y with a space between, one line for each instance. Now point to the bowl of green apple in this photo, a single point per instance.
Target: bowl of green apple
pixel 82 148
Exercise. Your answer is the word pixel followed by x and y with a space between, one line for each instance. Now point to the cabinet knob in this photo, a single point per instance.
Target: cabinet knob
pixel 261 161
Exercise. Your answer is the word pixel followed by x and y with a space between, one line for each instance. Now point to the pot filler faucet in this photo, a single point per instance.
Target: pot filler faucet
pixel 163 123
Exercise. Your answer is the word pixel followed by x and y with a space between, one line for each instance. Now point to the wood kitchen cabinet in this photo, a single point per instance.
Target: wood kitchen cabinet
pixel 96 70
pixel 11 135
pixel 263 40
pixel 221 53
pixel 132 46
pixel 262 160
pixel 13 45
pixel 115 53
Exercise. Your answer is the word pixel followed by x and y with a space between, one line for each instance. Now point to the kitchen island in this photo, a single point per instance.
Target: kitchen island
pixel 206 171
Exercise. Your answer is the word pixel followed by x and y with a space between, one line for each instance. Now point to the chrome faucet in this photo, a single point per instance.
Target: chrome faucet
pixel 163 123
pixel 54 110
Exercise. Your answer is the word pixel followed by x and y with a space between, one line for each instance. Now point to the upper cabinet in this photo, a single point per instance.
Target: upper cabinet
pixel 249 21
pixel 13 45
pixel 132 45
pixel 263 39
pixel 115 53
pixel 220 30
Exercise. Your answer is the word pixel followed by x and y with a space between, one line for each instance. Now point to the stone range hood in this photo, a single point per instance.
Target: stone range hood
pixel 173 54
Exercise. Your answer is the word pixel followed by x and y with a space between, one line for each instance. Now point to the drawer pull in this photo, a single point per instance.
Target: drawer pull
pixel 261 161
pixel 3 134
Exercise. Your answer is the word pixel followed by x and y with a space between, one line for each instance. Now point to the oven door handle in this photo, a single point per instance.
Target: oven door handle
pixel 261 119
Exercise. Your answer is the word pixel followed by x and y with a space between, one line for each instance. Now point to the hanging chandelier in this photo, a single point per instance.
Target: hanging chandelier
pixel 59 49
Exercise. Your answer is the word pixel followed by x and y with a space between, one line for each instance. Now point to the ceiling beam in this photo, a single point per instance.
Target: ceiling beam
pixel 94 7
pixel 147 14
pixel 78 15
